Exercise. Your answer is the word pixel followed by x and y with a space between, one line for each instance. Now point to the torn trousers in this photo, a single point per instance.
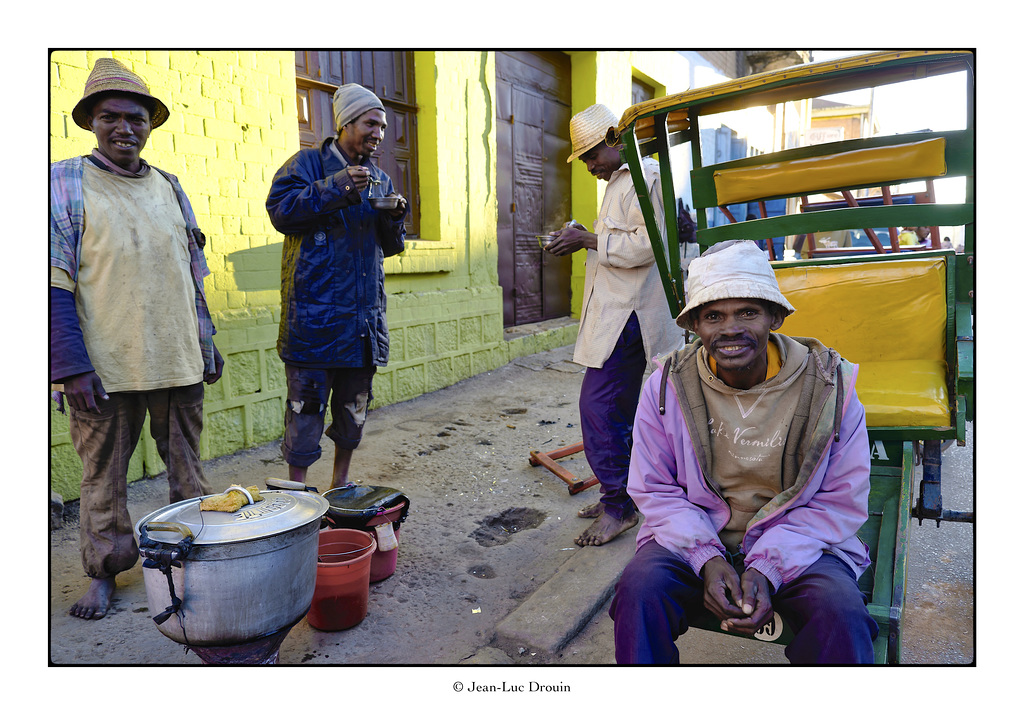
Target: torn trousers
pixel 346 390
pixel 106 441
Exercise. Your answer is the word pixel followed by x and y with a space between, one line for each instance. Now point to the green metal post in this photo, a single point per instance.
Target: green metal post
pixel 632 151
pixel 668 191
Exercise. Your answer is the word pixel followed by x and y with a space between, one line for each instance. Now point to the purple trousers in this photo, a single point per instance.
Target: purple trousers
pixel 608 400
pixel 658 593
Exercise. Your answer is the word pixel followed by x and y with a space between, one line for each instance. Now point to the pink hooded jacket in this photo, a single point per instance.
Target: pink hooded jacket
pixel 683 512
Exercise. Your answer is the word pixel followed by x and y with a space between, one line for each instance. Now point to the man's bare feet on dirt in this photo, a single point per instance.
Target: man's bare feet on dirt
pixel 591 512
pixel 605 529
pixel 94 604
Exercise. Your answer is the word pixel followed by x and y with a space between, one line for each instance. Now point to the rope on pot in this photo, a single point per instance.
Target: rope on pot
pixel 162 559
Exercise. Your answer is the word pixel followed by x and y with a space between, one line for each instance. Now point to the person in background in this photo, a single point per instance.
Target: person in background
pixel 924 236
pixel 908 236
pixel 625 320
pixel 130 331
pixel 333 333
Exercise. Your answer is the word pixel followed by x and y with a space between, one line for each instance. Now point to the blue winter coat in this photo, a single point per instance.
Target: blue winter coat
pixel 332 274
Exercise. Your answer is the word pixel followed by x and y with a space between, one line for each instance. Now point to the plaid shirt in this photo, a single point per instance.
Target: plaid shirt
pixel 67 222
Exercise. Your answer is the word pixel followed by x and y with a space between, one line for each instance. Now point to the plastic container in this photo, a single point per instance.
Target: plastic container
pixel 367 508
pixel 342 594
pixel 384 562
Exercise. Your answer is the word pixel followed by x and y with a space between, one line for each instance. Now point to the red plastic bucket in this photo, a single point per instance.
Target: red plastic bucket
pixel 342 593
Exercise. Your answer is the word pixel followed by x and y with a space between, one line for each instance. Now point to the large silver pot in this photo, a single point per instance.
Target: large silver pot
pixel 236 577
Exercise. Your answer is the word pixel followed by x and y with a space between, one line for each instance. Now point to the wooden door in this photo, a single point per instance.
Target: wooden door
pixel 533 109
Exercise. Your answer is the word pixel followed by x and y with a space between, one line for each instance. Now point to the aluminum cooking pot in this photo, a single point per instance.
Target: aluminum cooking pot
pixel 216 578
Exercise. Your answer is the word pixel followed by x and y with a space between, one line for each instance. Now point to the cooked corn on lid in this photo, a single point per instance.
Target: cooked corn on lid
pixel 278 512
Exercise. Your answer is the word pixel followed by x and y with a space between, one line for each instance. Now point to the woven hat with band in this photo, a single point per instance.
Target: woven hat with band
pixel 109 75
pixel 731 269
pixel 589 128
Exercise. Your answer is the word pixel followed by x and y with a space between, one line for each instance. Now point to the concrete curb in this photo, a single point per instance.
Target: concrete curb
pixel 557 611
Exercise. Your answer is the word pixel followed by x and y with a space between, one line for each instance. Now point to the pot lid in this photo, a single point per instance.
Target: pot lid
pixel 279 512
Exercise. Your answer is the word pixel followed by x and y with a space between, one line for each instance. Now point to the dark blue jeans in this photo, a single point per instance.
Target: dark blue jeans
pixel 608 400
pixel 658 592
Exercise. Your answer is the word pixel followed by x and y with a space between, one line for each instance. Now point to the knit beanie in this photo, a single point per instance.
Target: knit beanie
pixel 351 101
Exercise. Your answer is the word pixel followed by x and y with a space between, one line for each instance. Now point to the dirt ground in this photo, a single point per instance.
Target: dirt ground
pixel 484 528
pixel 484 532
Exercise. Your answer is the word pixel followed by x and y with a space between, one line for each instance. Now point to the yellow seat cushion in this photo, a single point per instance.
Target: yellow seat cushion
pixel 870 311
pixel 889 317
pixel 899 393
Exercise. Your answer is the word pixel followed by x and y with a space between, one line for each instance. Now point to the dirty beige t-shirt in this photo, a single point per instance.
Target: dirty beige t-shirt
pixel 135 295
pixel 748 431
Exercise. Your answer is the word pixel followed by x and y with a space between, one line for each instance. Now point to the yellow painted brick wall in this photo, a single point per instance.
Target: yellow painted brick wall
pixel 444 301
pixel 606 78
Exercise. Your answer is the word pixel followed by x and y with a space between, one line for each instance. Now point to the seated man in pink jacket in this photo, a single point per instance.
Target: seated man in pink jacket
pixel 750 466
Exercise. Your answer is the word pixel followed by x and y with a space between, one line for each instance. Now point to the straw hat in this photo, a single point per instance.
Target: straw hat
pixel 731 269
pixel 109 75
pixel 589 128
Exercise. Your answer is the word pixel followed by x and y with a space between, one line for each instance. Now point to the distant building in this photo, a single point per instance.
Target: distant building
pixel 834 121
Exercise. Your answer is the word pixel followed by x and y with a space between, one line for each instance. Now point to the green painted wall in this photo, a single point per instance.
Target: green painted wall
pixel 233 124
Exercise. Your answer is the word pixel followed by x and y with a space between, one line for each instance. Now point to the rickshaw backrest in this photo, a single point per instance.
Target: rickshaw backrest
pixel 811 174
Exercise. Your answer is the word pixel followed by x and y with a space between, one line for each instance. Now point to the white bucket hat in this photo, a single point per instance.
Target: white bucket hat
pixel 589 128
pixel 731 269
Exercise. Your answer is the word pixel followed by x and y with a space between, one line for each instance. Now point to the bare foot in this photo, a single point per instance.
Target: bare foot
pixel 591 512
pixel 94 604
pixel 605 529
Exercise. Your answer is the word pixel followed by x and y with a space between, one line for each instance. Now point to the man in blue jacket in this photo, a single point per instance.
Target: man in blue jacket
pixel 333 333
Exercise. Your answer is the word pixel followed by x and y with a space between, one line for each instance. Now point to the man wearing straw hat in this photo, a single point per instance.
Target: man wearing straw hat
pixel 333 332
pixel 625 321
pixel 750 465
pixel 130 331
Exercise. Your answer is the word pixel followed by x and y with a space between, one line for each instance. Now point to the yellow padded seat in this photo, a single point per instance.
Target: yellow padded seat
pixel 897 393
pixel 888 316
